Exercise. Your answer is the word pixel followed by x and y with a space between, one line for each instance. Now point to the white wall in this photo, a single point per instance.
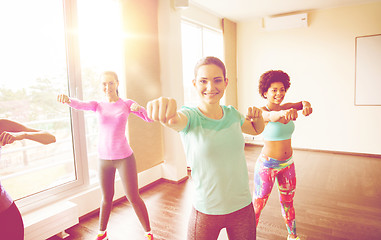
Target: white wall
pixel 200 16
pixel 174 167
pixel 320 60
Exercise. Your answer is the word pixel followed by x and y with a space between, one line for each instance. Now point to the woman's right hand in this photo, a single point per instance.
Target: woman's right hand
pixel 62 98
pixel 164 110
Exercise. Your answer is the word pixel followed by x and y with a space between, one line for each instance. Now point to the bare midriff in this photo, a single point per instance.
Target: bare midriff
pixel 280 150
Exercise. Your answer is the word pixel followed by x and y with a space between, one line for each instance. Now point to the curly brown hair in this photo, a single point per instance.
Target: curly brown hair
pixel 270 77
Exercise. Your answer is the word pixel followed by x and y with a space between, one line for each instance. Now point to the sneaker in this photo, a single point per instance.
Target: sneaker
pixel 291 238
pixel 102 236
pixel 149 236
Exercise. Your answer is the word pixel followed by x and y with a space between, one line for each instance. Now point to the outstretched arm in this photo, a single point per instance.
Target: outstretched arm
pixel 164 110
pixel 254 123
pixel 77 104
pixel 11 131
pixel 279 116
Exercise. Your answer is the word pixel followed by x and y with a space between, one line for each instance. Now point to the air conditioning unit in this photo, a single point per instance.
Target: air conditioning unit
pixel 285 22
pixel 180 4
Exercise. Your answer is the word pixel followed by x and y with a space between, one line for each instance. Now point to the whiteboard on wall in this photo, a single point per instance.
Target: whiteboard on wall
pixel 368 71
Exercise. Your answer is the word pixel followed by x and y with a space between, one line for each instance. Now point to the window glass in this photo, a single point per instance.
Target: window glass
pixel 192 51
pixel 197 41
pixel 33 71
pixel 213 43
pixel 101 49
pixel 34 59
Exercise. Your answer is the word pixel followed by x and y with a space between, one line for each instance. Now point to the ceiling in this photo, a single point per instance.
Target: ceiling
pixel 241 10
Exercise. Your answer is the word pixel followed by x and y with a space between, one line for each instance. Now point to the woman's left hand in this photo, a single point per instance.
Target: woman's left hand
pixel 135 107
pixel 307 109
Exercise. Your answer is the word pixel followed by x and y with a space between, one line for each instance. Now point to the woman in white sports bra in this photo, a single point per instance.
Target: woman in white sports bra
pixel 275 161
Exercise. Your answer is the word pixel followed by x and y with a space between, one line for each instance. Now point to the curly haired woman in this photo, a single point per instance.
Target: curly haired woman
pixel 275 164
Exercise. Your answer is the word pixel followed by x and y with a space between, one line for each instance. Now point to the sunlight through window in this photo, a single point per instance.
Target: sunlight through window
pixel 34 70
pixel 101 49
pixel 197 42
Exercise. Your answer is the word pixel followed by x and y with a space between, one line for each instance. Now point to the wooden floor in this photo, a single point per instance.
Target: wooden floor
pixel 338 197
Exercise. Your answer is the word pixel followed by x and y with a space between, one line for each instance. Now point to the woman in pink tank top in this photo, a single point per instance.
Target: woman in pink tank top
pixel 114 151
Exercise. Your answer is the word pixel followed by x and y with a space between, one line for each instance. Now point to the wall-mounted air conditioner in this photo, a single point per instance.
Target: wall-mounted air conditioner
pixel 180 4
pixel 285 22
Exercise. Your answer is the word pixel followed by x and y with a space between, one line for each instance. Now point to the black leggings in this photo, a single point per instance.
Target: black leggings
pixel 128 174
pixel 240 225
pixel 11 224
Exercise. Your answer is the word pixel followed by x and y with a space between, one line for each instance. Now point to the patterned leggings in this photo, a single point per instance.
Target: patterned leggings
pixel 267 170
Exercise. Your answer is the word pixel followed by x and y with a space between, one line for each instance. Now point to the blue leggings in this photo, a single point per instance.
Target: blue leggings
pixel 240 225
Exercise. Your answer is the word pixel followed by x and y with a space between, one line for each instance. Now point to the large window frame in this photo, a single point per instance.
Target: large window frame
pixel 77 118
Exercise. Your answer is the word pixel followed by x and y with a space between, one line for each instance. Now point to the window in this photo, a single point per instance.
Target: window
pixel 34 70
pixel 39 59
pixel 101 49
pixel 197 41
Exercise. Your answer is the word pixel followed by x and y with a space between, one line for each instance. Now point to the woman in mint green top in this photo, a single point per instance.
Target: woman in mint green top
pixel 220 182
pixel 275 164
pixel 214 147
